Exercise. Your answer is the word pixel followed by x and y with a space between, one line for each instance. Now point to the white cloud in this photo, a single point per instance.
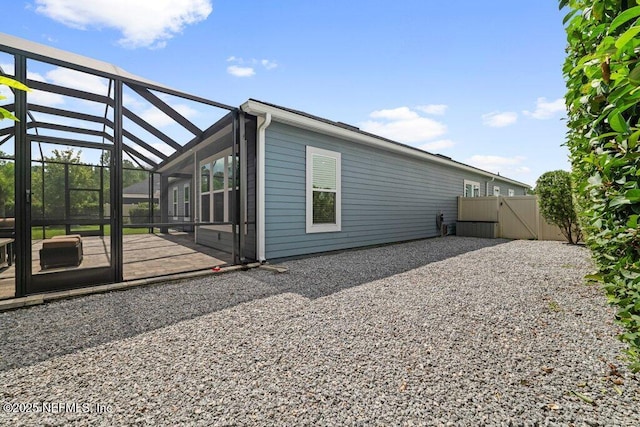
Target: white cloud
pixel 160 146
pixel 144 152
pixel 141 23
pixel 159 119
pixel 247 68
pixel 62 77
pixel 268 64
pixel 68 78
pixel 404 125
pixel 41 97
pixel 441 144
pixel 237 71
pixel 7 68
pixel 78 80
pixel 546 109
pixel 497 119
pixel 435 109
pixel 132 103
pixel 165 149
pixel 400 113
pixel 498 164
pixel 60 120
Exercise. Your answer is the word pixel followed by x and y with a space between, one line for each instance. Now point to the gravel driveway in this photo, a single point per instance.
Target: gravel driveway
pixel 456 331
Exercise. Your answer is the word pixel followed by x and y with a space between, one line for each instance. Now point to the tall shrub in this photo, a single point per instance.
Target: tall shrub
pixel 602 74
pixel 556 203
pixel 140 213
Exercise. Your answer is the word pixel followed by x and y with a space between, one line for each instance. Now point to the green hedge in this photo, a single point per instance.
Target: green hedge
pixel 139 213
pixel 602 73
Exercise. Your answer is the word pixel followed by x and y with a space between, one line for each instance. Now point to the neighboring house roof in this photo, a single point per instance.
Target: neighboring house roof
pixel 141 189
pixel 348 132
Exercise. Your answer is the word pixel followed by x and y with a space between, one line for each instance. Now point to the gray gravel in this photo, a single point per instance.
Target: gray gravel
pixel 495 333
pixel 72 325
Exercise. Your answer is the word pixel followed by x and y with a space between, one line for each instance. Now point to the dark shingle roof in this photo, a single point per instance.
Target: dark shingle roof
pixel 142 188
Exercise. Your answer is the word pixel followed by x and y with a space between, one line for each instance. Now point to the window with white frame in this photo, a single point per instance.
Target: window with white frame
pixel 496 190
pixel 216 185
pixel 323 190
pixel 175 202
pixel 205 191
pixel 187 202
pixel 471 188
pixel 512 192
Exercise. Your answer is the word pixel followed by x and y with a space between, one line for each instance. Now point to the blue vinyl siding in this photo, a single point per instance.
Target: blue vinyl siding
pixel 386 197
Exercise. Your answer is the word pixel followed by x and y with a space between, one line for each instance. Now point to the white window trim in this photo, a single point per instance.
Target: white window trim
pixel 474 184
pixel 187 191
pixel 496 190
pixel 323 228
pixel 174 202
pixel 512 192
pixel 200 192
pixel 219 155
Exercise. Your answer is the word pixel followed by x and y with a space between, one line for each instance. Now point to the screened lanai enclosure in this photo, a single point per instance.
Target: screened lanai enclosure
pixel 108 177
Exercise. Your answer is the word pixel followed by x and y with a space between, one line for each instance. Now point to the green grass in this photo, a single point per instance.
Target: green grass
pixel 554 306
pixel 128 231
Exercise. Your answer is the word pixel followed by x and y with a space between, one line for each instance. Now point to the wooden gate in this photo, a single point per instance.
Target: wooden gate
pixel 516 217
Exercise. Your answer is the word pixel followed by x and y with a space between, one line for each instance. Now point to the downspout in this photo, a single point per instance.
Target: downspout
pixel 260 196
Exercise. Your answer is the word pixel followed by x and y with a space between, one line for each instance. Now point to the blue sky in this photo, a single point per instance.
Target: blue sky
pixel 480 82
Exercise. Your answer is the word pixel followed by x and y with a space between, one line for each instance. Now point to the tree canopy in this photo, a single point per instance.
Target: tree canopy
pixel 7 184
pixel 556 203
pixel 85 185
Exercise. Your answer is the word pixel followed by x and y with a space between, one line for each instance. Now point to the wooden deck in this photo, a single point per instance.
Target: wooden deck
pixel 145 255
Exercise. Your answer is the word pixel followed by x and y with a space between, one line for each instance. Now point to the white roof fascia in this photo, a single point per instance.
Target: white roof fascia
pixel 291 118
